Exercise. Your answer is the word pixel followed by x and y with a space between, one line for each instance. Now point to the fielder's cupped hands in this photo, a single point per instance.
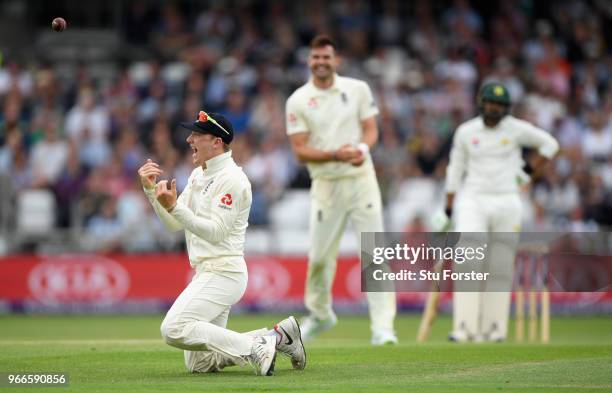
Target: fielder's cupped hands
pixel 166 194
pixel 148 174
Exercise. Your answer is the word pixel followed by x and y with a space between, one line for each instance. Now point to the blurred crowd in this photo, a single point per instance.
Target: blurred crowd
pixel 83 138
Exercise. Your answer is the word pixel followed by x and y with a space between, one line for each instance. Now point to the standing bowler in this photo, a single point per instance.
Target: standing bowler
pixel 331 123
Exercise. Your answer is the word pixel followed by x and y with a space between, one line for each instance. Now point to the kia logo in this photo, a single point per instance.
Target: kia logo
pixel 78 279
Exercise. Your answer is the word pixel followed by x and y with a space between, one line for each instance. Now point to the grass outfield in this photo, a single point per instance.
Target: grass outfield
pixel 126 354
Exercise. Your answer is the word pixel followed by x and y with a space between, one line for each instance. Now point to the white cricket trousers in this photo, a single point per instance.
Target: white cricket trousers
pixel 197 319
pixel 485 313
pixel 333 202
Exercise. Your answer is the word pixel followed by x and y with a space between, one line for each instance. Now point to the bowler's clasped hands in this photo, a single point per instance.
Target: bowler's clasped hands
pixel 164 192
pixel 350 154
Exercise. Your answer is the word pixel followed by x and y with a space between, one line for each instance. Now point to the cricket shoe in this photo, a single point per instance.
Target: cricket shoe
pixel 290 343
pixel 312 326
pixel 263 355
pixel 495 338
pixel 461 336
pixel 494 335
pixel 384 337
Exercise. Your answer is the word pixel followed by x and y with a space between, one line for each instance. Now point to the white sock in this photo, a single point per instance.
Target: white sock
pixel 278 335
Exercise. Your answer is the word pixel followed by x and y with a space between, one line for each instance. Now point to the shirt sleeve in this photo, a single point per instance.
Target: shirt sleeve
pixel 225 208
pixel 367 104
pixel 295 120
pixel 534 137
pixel 166 218
pixel 456 164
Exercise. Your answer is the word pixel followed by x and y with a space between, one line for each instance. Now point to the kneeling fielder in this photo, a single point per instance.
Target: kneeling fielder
pixel 213 210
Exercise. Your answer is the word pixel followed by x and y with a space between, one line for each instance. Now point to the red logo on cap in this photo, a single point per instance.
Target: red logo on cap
pixel 202 116
pixel 227 199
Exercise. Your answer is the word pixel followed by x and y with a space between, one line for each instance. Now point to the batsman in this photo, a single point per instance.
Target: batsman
pixel 485 170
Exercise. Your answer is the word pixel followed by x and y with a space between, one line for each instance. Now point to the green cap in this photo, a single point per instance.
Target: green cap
pixel 494 92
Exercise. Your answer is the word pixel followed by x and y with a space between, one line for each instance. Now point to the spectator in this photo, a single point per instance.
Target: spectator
pixel 597 141
pixel 68 188
pixel 267 113
pixel 11 119
pixel 104 231
pixel 236 111
pixel 461 15
pixel 172 35
pixel 48 157
pixel 12 147
pixel 13 76
pixel 87 118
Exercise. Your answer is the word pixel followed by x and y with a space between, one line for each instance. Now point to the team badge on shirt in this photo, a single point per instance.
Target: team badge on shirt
pixel 292 119
pixel 505 141
pixel 226 201
pixel 475 142
pixel 312 103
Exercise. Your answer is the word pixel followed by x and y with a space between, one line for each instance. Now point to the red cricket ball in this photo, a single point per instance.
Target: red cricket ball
pixel 59 24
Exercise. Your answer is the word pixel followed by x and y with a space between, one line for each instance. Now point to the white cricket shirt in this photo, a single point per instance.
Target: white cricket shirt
pixel 213 209
pixel 333 118
pixel 491 157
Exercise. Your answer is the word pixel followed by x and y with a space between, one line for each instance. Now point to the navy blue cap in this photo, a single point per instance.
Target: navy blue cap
pixel 214 124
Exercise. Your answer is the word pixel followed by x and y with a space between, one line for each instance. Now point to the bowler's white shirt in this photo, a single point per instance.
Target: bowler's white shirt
pixel 491 157
pixel 333 118
pixel 213 209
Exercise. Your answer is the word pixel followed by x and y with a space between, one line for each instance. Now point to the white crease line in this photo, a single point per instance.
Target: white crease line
pixel 80 342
